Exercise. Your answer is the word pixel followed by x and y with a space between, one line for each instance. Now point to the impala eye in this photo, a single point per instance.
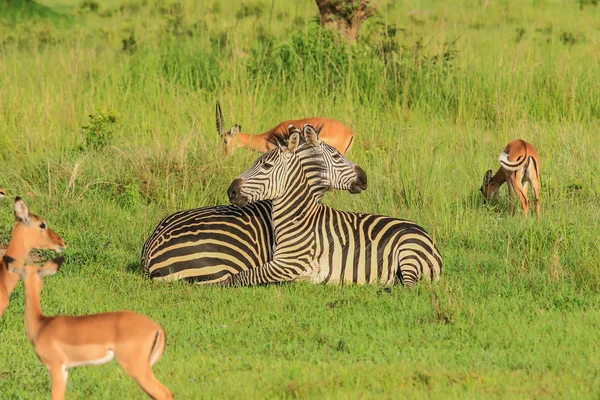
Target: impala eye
pixel 42 225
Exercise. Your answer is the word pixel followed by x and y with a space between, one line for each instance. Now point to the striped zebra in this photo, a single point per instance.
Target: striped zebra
pixel 321 244
pixel 208 244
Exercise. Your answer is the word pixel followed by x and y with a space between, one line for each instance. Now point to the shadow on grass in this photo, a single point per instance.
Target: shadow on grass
pixel 475 201
pixel 135 267
pixel 19 11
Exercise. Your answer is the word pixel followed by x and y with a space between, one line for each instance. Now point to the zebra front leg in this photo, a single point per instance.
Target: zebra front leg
pixel 271 272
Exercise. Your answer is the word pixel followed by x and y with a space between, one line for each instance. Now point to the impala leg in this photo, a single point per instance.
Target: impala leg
pixel 11 282
pixel 58 379
pixel 525 185
pixel 141 372
pixel 535 187
pixel 520 191
pixel 511 195
pixel 3 300
pixel 148 382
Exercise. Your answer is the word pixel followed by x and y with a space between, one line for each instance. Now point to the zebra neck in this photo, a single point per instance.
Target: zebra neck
pixel 295 207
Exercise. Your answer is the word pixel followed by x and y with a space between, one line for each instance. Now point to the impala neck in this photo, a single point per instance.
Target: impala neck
pixel 498 179
pixel 17 250
pixel 34 318
pixel 253 142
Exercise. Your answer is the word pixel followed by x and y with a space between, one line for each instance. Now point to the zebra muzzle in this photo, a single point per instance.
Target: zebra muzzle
pixel 235 193
pixel 360 183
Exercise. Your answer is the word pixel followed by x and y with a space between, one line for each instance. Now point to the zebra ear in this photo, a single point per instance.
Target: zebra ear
pixel 292 129
pixel 311 135
pixel 294 140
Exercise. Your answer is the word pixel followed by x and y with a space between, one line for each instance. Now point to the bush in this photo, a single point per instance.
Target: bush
pixel 98 132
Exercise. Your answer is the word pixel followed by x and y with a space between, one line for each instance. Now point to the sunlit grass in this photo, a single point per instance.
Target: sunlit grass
pixel 515 313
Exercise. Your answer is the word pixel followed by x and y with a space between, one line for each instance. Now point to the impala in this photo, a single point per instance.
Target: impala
pixel 333 132
pixel 519 166
pixel 63 342
pixel 30 232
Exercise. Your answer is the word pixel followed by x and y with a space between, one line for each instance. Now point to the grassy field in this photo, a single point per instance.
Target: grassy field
pixel 107 125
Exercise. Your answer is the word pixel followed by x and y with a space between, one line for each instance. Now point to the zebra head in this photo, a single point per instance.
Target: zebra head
pixel 297 155
pixel 340 173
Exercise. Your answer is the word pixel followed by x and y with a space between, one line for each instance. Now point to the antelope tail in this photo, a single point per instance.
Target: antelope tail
pixel 510 165
pixel 157 347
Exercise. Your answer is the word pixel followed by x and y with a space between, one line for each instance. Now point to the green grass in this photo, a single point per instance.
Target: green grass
pixel 433 91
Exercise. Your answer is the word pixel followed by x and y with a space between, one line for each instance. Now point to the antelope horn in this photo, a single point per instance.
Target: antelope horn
pixel 220 121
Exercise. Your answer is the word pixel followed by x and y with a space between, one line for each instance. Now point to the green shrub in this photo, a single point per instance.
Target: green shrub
pixel 98 132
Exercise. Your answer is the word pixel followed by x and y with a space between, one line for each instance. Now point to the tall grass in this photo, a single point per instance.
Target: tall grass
pixel 107 125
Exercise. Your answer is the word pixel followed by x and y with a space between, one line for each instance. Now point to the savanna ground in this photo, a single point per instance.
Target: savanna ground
pixel 107 125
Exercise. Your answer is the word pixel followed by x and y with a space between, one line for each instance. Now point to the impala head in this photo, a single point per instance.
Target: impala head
pixel 488 189
pixel 229 140
pixel 32 275
pixel 277 171
pixel 33 231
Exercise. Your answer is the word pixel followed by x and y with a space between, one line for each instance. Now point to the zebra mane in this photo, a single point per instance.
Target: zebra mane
pixel 310 156
pixel 280 139
pixel 314 165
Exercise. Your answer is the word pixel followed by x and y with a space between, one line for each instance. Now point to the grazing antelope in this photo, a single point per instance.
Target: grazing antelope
pixel 63 342
pixel 519 166
pixel 30 232
pixel 333 132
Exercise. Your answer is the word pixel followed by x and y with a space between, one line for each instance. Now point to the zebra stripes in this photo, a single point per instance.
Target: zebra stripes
pixel 208 244
pixel 321 244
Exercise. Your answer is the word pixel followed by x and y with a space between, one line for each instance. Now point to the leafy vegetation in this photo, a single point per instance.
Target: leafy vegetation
pixel 107 125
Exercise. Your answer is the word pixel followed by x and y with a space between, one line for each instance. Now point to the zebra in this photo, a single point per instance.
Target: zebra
pixel 208 244
pixel 320 244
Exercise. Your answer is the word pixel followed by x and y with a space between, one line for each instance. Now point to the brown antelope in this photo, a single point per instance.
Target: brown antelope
pixel 63 342
pixel 333 132
pixel 30 232
pixel 519 166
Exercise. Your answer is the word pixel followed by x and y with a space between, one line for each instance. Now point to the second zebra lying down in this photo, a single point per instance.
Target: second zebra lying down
pixel 319 243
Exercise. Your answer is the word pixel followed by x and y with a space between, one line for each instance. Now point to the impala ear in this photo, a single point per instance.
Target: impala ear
pixel 235 130
pixel 21 211
pixel 220 120
pixel 11 267
pixel 2 193
pixel 311 135
pixel 487 178
pixel 51 267
pixel 294 140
